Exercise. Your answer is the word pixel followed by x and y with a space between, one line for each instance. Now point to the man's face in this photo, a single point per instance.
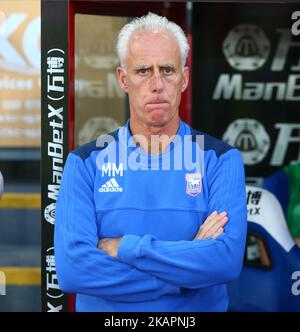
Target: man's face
pixel 154 79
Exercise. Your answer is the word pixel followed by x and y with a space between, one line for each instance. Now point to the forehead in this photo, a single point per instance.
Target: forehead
pixel 153 46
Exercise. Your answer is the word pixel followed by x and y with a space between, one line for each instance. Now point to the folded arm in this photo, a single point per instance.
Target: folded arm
pixel 200 263
pixel 82 267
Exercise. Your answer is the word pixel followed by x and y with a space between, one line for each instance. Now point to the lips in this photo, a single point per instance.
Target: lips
pixel 156 105
pixel 157 102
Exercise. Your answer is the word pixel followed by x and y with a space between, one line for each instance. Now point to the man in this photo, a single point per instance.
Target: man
pixel 138 229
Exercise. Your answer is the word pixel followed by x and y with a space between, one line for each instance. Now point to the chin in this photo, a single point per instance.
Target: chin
pixel 158 121
pixel 157 124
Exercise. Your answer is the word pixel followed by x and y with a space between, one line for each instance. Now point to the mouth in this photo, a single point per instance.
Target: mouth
pixel 160 107
pixel 157 104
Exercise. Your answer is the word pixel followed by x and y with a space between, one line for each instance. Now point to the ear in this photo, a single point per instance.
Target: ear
pixel 185 80
pixel 122 79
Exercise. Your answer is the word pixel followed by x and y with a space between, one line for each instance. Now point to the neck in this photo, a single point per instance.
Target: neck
pixel 154 139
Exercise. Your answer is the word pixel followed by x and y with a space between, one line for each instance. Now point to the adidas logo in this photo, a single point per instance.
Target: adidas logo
pixel 110 186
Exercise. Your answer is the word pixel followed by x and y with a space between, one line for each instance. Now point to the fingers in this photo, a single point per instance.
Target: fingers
pixel 213 225
pixel 109 245
pixel 206 222
pixel 218 232
pixel 210 221
pixel 213 218
pixel 210 218
pixel 103 243
pixel 106 246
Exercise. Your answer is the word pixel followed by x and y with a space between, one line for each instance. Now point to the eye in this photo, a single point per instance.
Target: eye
pixel 143 71
pixel 168 70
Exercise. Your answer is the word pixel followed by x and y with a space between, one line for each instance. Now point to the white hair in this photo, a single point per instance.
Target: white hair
pixel 151 22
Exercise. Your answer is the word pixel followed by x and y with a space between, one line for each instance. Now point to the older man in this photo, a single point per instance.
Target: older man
pixel 153 216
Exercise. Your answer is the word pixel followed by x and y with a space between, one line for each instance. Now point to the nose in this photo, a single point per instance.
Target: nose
pixel 156 82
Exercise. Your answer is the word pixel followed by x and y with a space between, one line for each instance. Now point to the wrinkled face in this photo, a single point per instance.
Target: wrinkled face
pixel 154 78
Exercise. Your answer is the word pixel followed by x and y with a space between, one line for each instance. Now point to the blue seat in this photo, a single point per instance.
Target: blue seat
pixel 270 277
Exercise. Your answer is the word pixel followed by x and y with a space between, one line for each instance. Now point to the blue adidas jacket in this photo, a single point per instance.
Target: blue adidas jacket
pixel 157 212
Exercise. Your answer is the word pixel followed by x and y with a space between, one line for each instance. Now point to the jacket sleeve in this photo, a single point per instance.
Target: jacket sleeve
pixel 278 184
pixel 200 263
pixel 83 268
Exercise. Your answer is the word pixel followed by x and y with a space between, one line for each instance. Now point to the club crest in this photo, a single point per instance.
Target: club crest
pixel 193 183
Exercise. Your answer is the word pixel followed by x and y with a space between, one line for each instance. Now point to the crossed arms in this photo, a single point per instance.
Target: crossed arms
pixel 211 228
pixel 135 268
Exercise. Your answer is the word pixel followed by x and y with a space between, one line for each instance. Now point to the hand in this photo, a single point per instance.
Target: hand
pixel 110 246
pixel 213 226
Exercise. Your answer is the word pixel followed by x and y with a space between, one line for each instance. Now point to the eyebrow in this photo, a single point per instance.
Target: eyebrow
pixel 142 67
pixel 167 65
